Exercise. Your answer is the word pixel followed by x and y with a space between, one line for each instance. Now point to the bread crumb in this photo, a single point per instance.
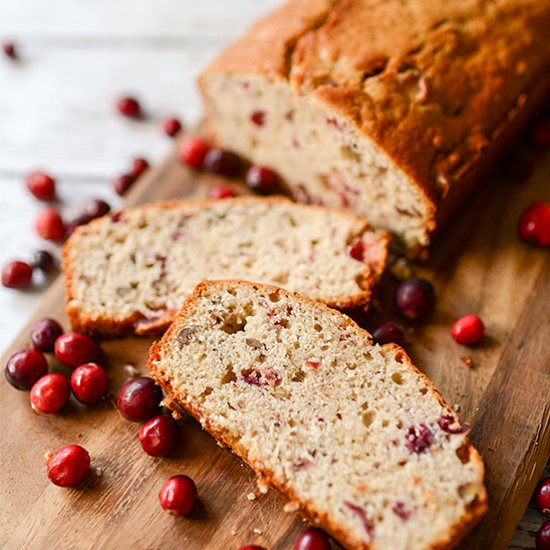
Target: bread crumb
pixel 292 506
pixel 468 361
pixel 257 531
pixel 263 486
pixel 98 472
pixel 456 407
pixel 251 496
pixel 131 371
pixel 47 456
pixel 233 532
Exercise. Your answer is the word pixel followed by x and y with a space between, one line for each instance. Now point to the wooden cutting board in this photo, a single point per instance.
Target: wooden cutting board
pixel 478 265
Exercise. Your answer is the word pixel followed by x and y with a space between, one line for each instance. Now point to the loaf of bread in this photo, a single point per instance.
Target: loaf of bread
pixel 389 108
pixel 132 270
pixel 350 432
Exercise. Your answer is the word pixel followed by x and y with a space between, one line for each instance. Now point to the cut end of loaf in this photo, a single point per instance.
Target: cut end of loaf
pixel 351 431
pixel 322 156
pixel 130 272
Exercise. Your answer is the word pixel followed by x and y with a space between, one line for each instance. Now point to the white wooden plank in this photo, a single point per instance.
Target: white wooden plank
pixel 123 18
pixel 57 109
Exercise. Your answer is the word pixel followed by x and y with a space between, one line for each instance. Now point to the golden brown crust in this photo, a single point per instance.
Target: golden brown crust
pixel 455 532
pixel 107 327
pixel 436 85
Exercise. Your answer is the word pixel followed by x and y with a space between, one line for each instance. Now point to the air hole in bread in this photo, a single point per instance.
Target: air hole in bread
pixel 463 453
pixel 274 297
pixel 399 357
pixel 298 376
pixel 282 323
pixel 235 322
pixel 229 375
pixel 423 390
pixel 368 418
pixel 318 327
pixel 397 378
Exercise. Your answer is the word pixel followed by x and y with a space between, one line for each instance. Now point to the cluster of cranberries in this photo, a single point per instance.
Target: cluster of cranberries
pixel 51 227
pixel 139 400
pixel 130 107
pixel 310 539
pixel 542 502
pixel 27 369
pixel 199 155
pixel 415 299
pixel 126 180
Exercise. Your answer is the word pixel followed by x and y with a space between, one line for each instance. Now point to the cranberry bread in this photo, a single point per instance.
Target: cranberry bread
pixel 132 270
pixel 351 432
pixel 386 108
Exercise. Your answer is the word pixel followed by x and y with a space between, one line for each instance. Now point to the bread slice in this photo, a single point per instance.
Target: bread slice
pixel 391 109
pixel 132 270
pixel 351 432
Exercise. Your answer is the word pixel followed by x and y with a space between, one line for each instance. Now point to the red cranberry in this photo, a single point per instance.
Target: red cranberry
pixel 223 162
pixel 70 227
pixel 251 547
pixel 171 126
pixel 415 298
pixel 262 180
pixel 389 332
pixel 9 49
pixel 25 367
pixel 44 260
pixel 44 333
pixel 139 399
pixel 178 495
pixel 50 226
pixel 468 330
pixel 357 250
pixel 41 185
pixel 74 349
pixel 16 274
pixel 123 183
pixel 159 435
pixel 129 107
pixel 193 151
pixel 258 118
pixel 90 383
pixel 139 166
pixel 540 134
pixel 95 209
pixel 534 224
pixel 50 394
pixel 419 438
pixel 312 539
pixel 542 497
pixel 221 192
pixel 68 466
pixel 542 540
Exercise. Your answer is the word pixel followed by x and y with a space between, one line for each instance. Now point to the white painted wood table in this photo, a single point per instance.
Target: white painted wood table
pixel 57 109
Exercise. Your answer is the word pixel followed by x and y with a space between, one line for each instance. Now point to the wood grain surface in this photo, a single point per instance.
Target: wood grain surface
pixel 478 265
